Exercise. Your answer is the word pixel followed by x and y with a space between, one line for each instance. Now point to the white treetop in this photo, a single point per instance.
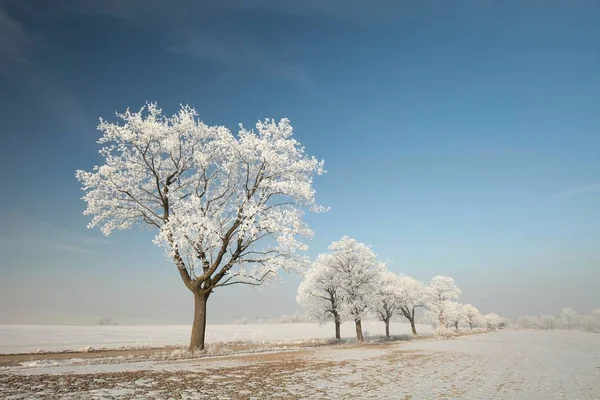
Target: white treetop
pixel 228 209
pixel 568 315
pixel 454 313
pixel 319 292
pixel 441 291
pixel 472 315
pixel 413 294
pixel 357 270
pixel 492 320
pixel 387 295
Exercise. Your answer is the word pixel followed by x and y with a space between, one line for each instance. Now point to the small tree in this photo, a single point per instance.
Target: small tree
pixel 472 315
pixel 568 315
pixel 413 295
pixel 356 272
pixel 441 291
pixel 548 321
pixel 387 298
pixel 227 209
pixel 455 314
pixel 319 293
pixel 492 321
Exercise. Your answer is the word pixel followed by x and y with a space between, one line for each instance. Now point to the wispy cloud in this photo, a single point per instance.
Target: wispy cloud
pixel 15 43
pixel 592 187
pixel 23 231
pixel 238 51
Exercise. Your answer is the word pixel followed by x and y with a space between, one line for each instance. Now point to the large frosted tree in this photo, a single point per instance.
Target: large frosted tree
pixel 320 295
pixel 226 208
pixel 356 271
pixel 412 296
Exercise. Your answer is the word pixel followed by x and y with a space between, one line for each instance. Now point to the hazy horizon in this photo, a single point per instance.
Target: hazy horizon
pixel 459 139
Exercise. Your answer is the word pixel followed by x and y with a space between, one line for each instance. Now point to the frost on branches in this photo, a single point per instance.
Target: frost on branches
pixel 413 295
pixel 320 295
pixel 356 272
pixel 227 208
pixel 492 321
pixel 472 315
pixel 454 314
pixel 441 292
pixel 387 297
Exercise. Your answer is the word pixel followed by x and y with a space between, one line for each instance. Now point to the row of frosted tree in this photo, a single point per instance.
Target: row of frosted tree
pixel 568 319
pixel 349 283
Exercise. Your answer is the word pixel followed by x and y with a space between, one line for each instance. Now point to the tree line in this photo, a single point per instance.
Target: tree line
pixel 349 284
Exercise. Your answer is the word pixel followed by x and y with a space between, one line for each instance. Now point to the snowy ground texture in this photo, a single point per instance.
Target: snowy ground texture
pixel 497 365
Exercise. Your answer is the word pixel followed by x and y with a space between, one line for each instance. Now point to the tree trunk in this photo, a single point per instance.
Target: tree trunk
pixel 387 327
pixel 471 325
pixel 412 326
pixel 412 321
pixel 199 325
pixel 359 335
pixel 456 326
pixel 337 329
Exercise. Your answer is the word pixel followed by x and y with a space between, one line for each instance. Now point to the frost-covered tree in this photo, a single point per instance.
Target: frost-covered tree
pixel 413 295
pixel 356 272
pixel 472 315
pixel 454 314
pixel 387 298
pixel 226 208
pixel 441 291
pixel 492 321
pixel 319 293
pixel 548 321
pixel 568 316
pixel 527 322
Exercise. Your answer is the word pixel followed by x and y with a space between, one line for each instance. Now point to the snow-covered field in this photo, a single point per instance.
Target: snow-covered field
pixel 497 365
pixel 32 338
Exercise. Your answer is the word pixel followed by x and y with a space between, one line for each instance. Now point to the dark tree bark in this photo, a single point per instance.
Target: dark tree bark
pixel 471 325
pixel 410 316
pixel 387 327
pixel 337 329
pixel 199 324
pixel 359 334
pixel 412 326
pixel 456 326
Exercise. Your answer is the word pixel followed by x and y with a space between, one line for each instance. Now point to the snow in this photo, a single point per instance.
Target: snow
pixel 498 365
pixel 35 338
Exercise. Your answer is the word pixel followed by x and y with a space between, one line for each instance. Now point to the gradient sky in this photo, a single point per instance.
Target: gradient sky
pixel 460 138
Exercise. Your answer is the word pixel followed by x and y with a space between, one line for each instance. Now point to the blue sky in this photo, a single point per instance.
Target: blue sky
pixel 460 138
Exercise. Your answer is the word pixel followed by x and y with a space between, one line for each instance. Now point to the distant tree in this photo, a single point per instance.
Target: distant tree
pixel 492 321
pixel 527 322
pixel 455 314
pixel 441 291
pixel 568 315
pixel 472 315
pixel 356 273
pixel 387 297
pixel 413 295
pixel 548 321
pixel 227 209
pixel 320 293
